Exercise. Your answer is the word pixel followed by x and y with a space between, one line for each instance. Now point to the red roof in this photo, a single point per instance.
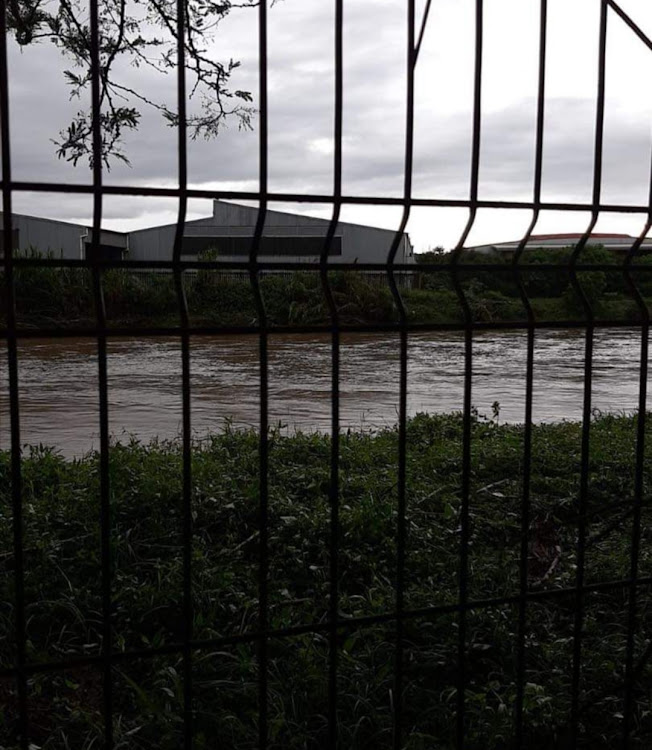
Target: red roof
pixel 577 235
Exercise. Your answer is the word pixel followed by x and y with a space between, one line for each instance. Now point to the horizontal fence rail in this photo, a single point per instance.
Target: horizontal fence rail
pixel 335 628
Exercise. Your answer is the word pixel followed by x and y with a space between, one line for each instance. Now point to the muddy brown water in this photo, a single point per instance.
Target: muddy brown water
pixel 58 382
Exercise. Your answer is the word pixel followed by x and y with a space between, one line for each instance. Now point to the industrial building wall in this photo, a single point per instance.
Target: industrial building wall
pixel 360 244
pixel 157 243
pixel 47 236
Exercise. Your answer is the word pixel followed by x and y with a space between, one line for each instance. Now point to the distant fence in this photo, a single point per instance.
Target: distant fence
pixel 377 278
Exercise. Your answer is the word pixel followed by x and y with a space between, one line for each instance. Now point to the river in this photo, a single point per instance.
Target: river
pixel 58 382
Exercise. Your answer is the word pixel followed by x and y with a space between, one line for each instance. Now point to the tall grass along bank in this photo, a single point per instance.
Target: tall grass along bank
pixel 64 597
pixel 60 297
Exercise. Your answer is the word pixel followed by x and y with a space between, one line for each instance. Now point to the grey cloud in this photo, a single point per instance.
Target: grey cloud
pixel 301 113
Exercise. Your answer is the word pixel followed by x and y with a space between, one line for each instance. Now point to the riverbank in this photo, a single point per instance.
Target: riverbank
pixel 47 297
pixel 63 590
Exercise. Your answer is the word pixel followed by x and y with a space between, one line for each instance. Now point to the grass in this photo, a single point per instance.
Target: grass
pixel 63 588
pixel 50 297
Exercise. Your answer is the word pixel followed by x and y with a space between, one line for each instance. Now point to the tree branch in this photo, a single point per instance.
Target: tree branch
pixel 133 30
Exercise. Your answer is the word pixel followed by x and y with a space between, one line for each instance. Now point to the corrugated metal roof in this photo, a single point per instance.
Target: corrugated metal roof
pixel 577 236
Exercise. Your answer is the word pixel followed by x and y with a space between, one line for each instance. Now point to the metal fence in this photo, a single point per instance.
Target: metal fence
pixel 375 278
pixel 399 614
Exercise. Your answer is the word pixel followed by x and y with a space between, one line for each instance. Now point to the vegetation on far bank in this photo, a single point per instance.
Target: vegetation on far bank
pixel 63 297
pixel 64 605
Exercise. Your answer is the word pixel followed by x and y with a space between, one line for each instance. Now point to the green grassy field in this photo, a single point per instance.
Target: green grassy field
pixel 63 588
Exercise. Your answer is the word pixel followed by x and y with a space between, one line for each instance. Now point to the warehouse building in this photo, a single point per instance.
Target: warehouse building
pixel 226 235
pixel 62 239
pixel 620 244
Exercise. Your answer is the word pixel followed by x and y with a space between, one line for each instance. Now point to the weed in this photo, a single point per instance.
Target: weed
pixel 63 591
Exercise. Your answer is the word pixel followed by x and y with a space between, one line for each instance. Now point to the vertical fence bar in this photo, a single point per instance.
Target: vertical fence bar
pixel 639 470
pixel 630 669
pixel 334 486
pixel 14 411
pixel 186 446
pixel 468 377
pixel 263 568
pixel 588 373
pixel 582 512
pixel 529 383
pixel 411 59
pixel 636 525
pixel 100 313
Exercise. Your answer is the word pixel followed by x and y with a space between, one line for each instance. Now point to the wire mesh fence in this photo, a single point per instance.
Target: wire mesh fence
pixel 264 640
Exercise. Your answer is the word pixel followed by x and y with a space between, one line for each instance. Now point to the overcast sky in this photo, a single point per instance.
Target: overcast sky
pixel 301 100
